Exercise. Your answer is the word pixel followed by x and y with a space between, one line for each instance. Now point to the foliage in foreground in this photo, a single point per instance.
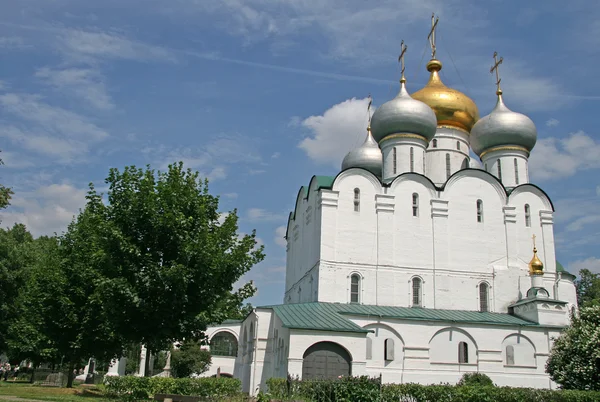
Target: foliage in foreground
pixel 133 388
pixel 189 359
pixel 365 389
pixel 476 379
pixel 574 361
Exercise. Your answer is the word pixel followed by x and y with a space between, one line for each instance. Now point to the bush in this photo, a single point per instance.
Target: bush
pixel 133 388
pixel 476 379
pixel 370 389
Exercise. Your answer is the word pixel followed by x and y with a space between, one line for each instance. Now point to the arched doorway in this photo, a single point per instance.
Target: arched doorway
pixel 325 360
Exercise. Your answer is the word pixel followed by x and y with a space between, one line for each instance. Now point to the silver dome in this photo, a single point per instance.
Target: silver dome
pixel 403 114
pixel 367 156
pixel 503 127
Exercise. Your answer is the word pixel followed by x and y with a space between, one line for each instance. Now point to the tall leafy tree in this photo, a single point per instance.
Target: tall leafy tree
pixel 167 264
pixel 574 361
pixel 5 193
pixel 588 288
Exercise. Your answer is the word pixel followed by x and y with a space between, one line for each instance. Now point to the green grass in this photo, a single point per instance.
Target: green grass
pixel 27 391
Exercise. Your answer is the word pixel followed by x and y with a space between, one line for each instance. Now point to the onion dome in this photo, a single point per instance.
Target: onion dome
pixel 451 107
pixel 536 267
pixel 367 156
pixel 503 127
pixel 403 115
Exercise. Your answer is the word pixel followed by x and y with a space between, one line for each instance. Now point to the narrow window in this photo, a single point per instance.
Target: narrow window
pixel 463 352
pixel 395 159
pixel 412 159
pixel 447 166
pixel 479 211
pixel 486 168
pixel 435 143
pixel 465 163
pixel 527 216
pixel 500 170
pixel 354 288
pixel 458 145
pixel 516 172
pixel 416 292
pixel 356 200
pixel 510 355
pixel 483 297
pixel 388 347
pixel 415 204
pixel 369 348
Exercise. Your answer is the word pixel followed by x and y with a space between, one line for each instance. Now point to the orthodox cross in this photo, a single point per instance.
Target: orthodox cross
pixel 431 36
pixel 533 237
pixel 495 68
pixel 403 48
pixel 369 109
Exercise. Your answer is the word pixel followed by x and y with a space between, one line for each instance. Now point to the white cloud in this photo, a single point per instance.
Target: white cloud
pixel 552 123
pixel 85 46
pixel 11 42
pixel 554 158
pixel 254 172
pixel 222 217
pixel 262 215
pixel 275 155
pixel 579 223
pixel 280 232
pixel 334 133
pixel 85 84
pixel 46 210
pixel 591 263
pixel 230 195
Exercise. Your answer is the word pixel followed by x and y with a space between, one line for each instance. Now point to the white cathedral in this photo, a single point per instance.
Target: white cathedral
pixel 411 264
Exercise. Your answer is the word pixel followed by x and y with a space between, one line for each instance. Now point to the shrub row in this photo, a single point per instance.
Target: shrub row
pixel 133 388
pixel 365 389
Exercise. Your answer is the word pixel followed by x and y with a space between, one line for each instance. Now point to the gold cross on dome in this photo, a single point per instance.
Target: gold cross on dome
pixel 431 36
pixel 403 48
pixel 533 237
pixel 495 68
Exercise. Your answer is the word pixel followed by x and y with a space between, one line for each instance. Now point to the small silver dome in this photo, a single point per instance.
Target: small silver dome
pixel 503 127
pixel 367 156
pixel 403 114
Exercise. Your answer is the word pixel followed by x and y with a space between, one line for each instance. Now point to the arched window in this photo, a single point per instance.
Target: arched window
pixel 463 352
pixel 527 216
pixel 223 343
pixel 355 288
pixel 416 292
pixel 447 166
pixel 479 211
pixel 465 163
pixel 500 170
pixel 483 297
pixel 395 160
pixel 486 168
pixel 510 355
pixel 369 348
pixel 516 172
pixel 458 145
pixel 356 200
pixel 415 204
pixel 434 142
pixel 412 159
pixel 388 349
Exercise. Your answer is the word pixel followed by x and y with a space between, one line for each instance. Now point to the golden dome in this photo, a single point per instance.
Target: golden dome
pixel 451 107
pixel 536 267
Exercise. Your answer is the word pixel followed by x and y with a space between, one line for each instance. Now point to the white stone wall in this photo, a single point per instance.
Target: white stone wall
pixel 452 142
pixel 404 147
pixel 444 244
pixel 511 176
pixel 225 363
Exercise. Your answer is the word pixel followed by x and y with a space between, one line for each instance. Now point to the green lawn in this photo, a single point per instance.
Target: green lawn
pixel 20 392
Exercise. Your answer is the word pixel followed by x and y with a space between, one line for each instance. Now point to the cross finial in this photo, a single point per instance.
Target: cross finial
pixel 431 36
pixel 533 238
pixel 403 48
pixel 369 111
pixel 495 68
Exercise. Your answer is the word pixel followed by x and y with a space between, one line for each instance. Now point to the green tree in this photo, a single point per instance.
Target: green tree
pixel 5 193
pixel 574 361
pixel 167 264
pixel 588 288
pixel 189 359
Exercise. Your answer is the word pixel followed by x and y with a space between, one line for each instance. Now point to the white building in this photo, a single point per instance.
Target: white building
pixel 411 264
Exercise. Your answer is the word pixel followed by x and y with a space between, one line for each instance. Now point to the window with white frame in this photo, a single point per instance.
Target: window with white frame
pixel 510 355
pixel 412 159
pixel 416 292
pixel 484 291
pixel 395 160
pixel 388 349
pixel 447 166
pixel 434 143
pixel 516 172
pixel 356 200
pixel 463 352
pixel 415 204
pixel 479 211
pixel 500 170
pixel 369 348
pixel 355 288
pixel 527 216
pixel 458 145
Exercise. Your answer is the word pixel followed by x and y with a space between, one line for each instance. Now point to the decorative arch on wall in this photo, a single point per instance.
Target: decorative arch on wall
pixel 223 343
pixel 232 332
pixel 375 326
pixel 417 177
pixel 532 188
pixel 446 350
pixel 375 182
pixel 326 360
pixel 523 350
pixel 480 174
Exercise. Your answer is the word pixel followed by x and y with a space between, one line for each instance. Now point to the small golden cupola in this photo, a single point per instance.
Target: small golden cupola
pixel 451 107
pixel 536 267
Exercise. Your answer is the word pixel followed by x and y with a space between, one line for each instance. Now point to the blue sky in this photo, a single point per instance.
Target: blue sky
pixel 260 95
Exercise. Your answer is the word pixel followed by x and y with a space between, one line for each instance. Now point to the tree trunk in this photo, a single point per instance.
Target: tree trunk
pixel 71 375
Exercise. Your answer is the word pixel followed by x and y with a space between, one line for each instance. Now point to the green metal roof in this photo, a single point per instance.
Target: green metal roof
pixel 333 316
pixel 324 181
pixel 560 268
